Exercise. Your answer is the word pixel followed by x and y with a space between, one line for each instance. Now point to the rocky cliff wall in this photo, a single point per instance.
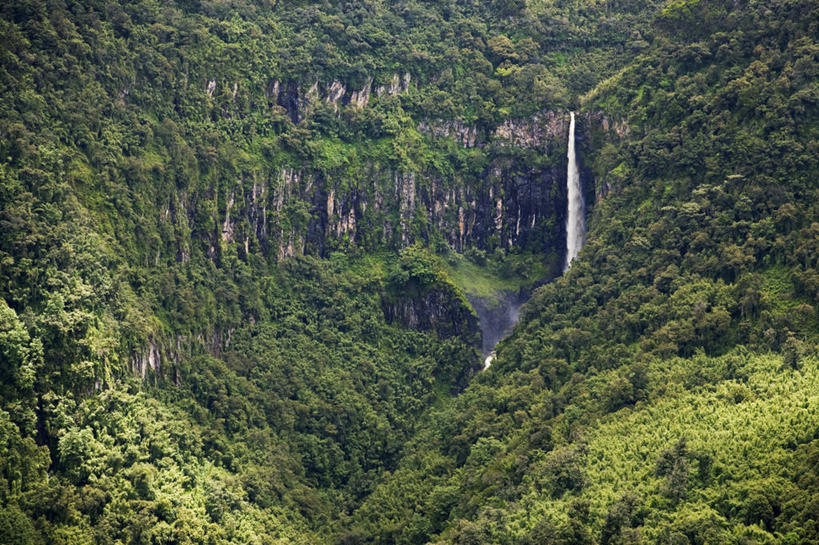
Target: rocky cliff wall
pixel 442 310
pixel 296 212
pixel 516 200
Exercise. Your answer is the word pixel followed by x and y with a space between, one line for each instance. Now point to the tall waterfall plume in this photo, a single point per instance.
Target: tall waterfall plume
pixel 575 220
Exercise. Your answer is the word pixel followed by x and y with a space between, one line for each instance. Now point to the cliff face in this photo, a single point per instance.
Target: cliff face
pixel 442 310
pixel 508 205
pixel 515 200
pixel 508 193
pixel 298 100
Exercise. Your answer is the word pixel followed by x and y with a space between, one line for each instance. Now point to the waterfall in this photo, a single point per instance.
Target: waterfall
pixel 575 220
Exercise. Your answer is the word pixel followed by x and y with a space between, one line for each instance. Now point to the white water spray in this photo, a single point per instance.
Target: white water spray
pixel 575 221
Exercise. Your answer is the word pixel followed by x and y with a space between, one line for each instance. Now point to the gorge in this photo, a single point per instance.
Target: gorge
pixel 255 255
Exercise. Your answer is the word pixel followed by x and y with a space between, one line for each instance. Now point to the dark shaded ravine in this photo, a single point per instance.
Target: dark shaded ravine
pixel 497 316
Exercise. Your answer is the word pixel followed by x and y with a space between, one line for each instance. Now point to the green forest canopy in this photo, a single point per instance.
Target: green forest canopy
pixel 167 378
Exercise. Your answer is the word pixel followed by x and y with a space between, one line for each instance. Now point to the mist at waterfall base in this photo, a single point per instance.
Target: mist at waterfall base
pixel 497 316
pixel 575 219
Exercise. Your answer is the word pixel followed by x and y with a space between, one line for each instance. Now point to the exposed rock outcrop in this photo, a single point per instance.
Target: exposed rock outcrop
pixel 299 100
pixel 296 212
pixel 149 358
pixel 511 203
pixel 293 211
pixel 398 84
pixel 335 92
pixel 361 98
pixel 441 309
pixel 161 355
pixel 536 132
pixel 466 135
pixel 539 132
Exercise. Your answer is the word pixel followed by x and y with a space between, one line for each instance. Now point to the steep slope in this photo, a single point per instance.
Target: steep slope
pixel 224 309
pixel 663 390
pixel 233 301
pixel 151 151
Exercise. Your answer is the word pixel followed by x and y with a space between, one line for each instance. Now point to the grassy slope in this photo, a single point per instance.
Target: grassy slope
pixel 512 273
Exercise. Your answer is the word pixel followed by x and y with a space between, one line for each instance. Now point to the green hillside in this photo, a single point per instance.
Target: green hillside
pixel 663 390
pixel 237 240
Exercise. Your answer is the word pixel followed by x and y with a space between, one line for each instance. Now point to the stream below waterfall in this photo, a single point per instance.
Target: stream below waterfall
pixel 497 316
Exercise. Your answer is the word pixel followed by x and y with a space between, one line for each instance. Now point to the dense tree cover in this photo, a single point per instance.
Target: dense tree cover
pixel 717 450
pixel 126 132
pixel 268 439
pixel 168 375
pixel 120 163
pixel 638 401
